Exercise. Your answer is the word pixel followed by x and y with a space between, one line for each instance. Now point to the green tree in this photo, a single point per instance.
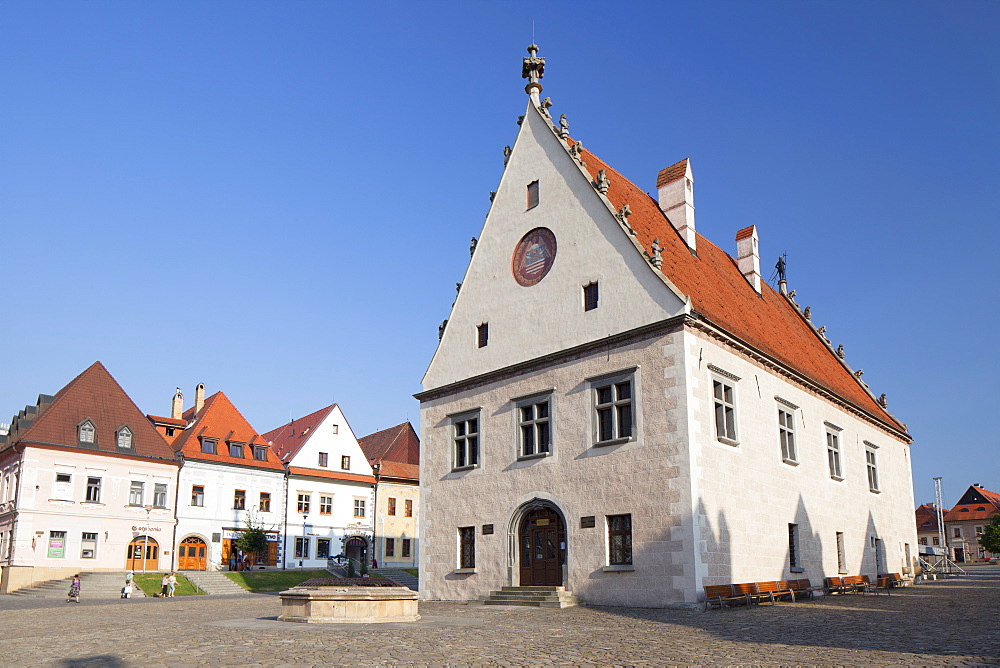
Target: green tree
pixel 253 538
pixel 991 536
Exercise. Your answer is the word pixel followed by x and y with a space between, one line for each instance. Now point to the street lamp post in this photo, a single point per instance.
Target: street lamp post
pixel 145 538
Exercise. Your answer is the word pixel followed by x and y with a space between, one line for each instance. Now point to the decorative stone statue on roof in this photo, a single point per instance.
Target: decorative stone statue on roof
pixel 655 258
pixel 840 351
pixel 563 126
pixel 882 401
pixel 506 155
pixel 472 246
pixel 602 182
pixel 808 313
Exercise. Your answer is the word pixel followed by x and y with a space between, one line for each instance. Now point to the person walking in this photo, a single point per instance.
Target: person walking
pixel 164 585
pixel 127 589
pixel 74 590
pixel 171 584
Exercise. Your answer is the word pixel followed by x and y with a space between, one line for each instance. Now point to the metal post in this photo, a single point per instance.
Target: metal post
pixel 939 507
pixel 145 539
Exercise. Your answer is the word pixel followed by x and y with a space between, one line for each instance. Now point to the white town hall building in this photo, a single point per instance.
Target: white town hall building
pixel 619 407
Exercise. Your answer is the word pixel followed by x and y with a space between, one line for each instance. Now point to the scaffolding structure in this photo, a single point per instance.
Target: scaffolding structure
pixel 943 564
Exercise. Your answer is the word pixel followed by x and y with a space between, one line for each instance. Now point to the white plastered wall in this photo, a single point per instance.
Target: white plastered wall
pixel 745 496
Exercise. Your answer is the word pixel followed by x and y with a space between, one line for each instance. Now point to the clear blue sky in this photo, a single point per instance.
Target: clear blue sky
pixel 276 199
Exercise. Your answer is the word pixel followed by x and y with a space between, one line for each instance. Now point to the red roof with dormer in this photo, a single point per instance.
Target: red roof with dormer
pixel 219 420
pixel 289 438
pixel 96 396
pixel 768 322
pixel 976 504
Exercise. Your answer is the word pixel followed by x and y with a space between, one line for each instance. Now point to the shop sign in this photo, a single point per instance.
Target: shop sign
pixel 234 534
pixel 57 548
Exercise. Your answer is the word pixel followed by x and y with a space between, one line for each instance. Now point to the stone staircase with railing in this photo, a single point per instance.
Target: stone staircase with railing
pixel 539 597
pixel 400 576
pixel 214 582
pixel 92 585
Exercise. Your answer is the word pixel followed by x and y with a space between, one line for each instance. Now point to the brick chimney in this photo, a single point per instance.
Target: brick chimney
pixel 747 256
pixel 675 191
pixel 177 405
pixel 199 397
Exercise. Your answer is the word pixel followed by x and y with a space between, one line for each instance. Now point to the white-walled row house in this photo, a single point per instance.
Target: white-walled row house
pixel 620 408
pixel 86 483
pixel 229 473
pixel 330 489
pixel 394 454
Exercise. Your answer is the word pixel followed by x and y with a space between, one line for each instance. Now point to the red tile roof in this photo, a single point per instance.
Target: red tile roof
pixel 219 420
pixel 396 444
pixel 721 294
pixel 975 511
pixel 289 438
pixel 744 233
pixel 159 419
pixel 97 396
pixel 390 469
pixel 926 517
pixel 672 173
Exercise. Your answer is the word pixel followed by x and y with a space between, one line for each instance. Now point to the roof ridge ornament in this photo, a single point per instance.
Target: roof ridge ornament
pixel 533 69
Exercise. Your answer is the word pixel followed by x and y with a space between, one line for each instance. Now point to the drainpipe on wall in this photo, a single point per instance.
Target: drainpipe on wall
pixel 284 524
pixel 177 498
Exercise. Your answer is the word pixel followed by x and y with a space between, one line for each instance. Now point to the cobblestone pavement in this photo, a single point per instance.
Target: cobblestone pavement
pixel 949 622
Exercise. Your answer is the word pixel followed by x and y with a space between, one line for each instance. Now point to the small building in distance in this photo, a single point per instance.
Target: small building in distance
pixel 229 473
pixel 394 454
pixel 329 510
pixel 86 484
pixel 965 522
pixel 927 525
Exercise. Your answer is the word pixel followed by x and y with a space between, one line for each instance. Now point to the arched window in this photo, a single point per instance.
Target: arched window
pixel 125 438
pixel 87 432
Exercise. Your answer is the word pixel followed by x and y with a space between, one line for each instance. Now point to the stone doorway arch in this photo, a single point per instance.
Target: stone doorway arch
pixel 537 539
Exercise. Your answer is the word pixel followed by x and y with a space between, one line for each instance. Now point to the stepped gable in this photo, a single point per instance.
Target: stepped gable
pixel 289 438
pixel 720 293
pixel 220 420
pixel 398 444
pixel 97 396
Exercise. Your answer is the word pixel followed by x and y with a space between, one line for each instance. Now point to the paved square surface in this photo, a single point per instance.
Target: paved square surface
pixel 947 622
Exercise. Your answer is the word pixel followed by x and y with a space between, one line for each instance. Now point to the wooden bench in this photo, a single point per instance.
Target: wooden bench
pixel 895 580
pixel 803 588
pixel 858 583
pixel 775 591
pixel 837 586
pixel 723 595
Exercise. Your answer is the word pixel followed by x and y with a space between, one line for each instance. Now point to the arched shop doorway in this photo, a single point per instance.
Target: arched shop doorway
pixel 356 548
pixel 143 555
pixel 541 545
pixel 192 554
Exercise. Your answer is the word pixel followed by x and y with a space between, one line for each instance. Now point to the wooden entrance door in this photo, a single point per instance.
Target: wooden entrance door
pixel 143 555
pixel 542 548
pixel 192 555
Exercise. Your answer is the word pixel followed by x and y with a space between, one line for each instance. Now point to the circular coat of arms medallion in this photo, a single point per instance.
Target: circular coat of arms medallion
pixel 533 256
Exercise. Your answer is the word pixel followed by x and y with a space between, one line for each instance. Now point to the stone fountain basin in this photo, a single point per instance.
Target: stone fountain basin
pixel 340 601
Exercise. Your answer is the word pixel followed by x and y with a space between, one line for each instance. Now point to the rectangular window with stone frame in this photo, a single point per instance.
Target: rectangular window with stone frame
pixel 534 426
pixel 390 547
pixel 620 540
pixel 872 464
pixel 406 548
pixel 724 401
pixel 240 499
pixel 467 547
pixel 408 508
pixel 833 452
pixel 614 414
pixel 786 434
pixel 465 441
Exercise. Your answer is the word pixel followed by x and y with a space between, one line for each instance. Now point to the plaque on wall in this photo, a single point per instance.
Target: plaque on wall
pixel 487 529
pixel 588 522
pixel 216 537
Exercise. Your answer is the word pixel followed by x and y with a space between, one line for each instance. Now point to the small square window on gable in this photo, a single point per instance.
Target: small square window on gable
pixel 590 296
pixel 532 194
pixel 483 335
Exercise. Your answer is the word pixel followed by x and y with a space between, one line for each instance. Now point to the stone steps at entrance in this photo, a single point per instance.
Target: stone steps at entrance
pixel 400 576
pixel 539 597
pixel 214 582
pixel 92 585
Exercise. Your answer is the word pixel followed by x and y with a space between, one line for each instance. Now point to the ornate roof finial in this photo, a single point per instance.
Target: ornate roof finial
pixel 840 351
pixel 808 313
pixel 882 401
pixel 533 69
pixel 472 246
pixel 563 126
pixel 655 258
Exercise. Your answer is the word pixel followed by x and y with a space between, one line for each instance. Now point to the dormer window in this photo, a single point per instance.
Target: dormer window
pixel 125 438
pixel 87 433
pixel 208 446
pixel 236 450
pixel 260 453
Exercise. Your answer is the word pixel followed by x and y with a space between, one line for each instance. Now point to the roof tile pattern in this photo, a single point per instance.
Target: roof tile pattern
pixel 672 173
pixel 719 292
pixel 396 444
pixel 219 420
pixel 289 438
pixel 976 504
pixel 97 396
